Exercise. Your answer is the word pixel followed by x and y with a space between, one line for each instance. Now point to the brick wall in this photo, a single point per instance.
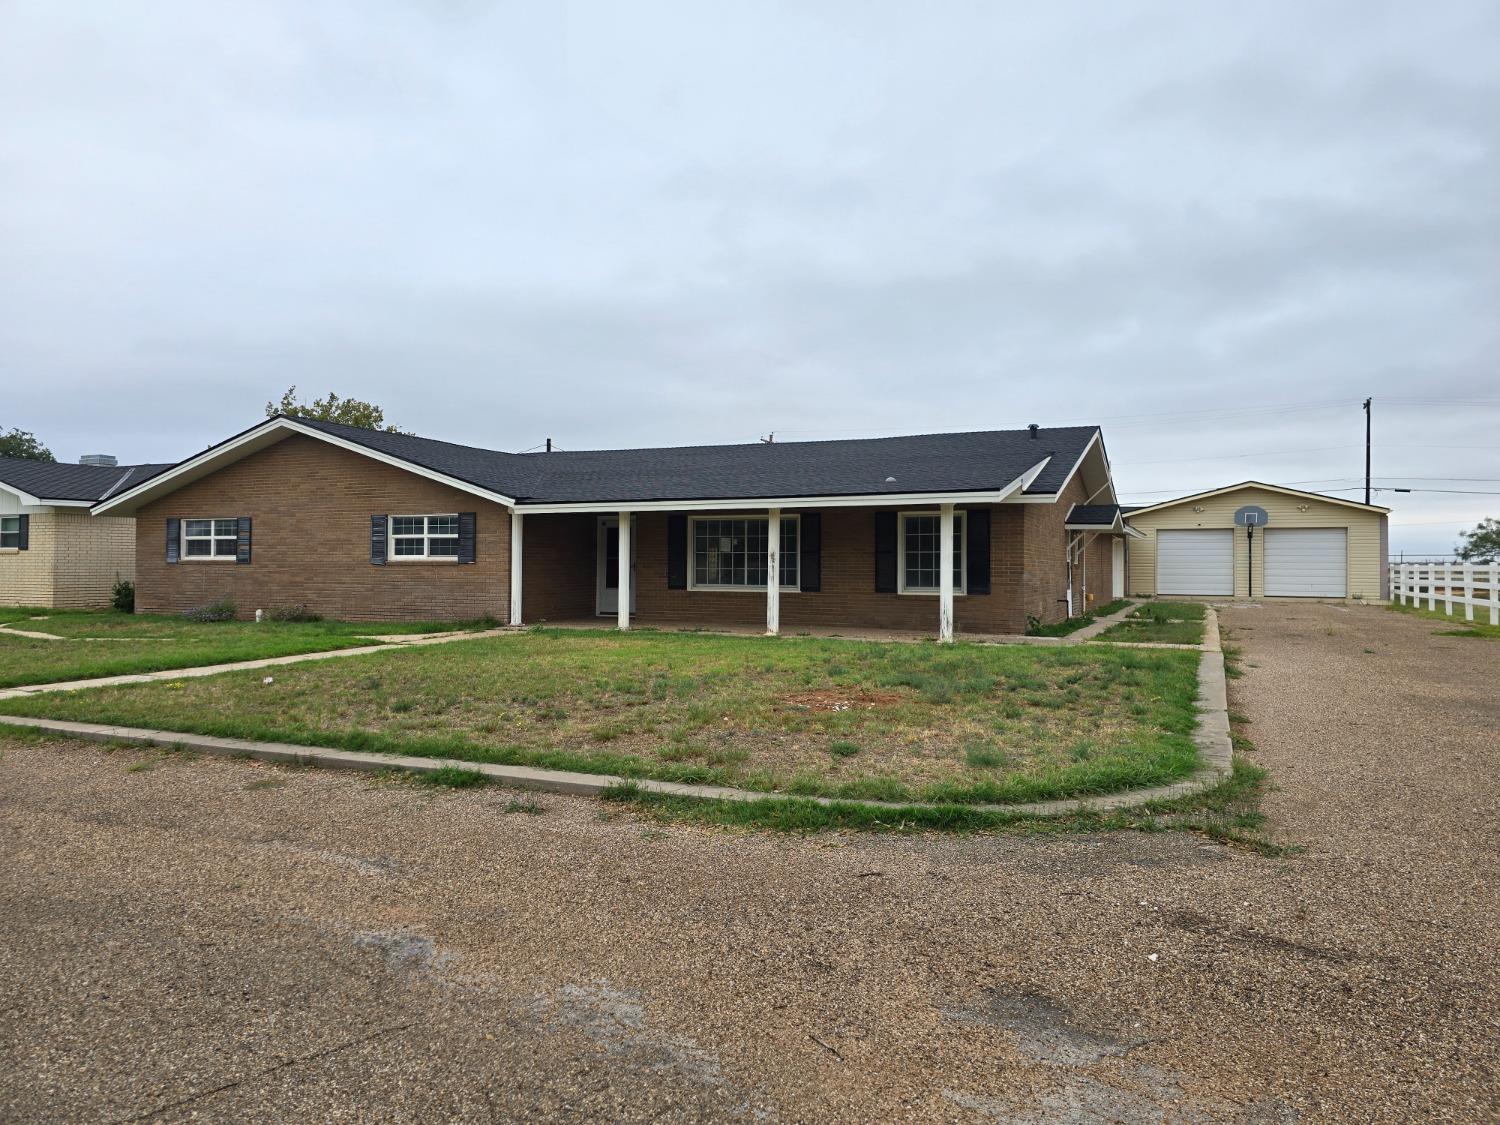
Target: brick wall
pixel 26 577
pixel 92 552
pixel 560 569
pixel 310 504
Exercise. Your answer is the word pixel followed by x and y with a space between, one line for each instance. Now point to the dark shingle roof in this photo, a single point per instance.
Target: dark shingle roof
pixel 967 462
pixel 53 480
pixel 1093 515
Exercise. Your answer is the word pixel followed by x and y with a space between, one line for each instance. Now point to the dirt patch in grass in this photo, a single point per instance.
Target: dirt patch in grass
pixel 829 699
pixel 962 723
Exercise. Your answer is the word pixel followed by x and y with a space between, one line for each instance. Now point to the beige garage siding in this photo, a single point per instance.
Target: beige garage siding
pixel 1365 529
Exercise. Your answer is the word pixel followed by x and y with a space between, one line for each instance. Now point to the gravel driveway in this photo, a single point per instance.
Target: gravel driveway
pixel 225 940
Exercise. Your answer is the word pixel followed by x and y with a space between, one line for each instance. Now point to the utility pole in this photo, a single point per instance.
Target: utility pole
pixel 1367 449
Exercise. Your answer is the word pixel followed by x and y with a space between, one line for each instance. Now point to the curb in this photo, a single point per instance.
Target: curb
pixel 1211 738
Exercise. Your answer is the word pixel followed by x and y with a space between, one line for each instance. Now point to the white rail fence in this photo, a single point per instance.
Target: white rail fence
pixel 1460 584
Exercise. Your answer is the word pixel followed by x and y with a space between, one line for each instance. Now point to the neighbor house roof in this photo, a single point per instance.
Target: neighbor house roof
pixel 54 482
pixel 931 464
pixel 1255 484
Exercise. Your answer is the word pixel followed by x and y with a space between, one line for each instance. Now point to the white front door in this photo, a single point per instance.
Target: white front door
pixel 1195 562
pixel 607 586
pixel 1117 569
pixel 1306 562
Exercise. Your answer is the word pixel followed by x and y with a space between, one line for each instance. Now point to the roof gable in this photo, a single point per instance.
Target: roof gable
pixel 1136 511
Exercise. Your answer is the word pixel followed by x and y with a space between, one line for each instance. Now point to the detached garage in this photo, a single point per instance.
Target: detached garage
pixel 1309 546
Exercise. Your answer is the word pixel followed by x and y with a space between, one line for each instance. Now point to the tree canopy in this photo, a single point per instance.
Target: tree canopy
pixel 1482 544
pixel 345 411
pixel 19 443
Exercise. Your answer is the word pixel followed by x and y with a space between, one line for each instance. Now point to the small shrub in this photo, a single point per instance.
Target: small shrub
pixel 298 612
pixel 122 596
pixel 222 610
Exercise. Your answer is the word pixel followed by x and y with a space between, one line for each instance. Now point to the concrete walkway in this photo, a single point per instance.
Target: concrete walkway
pixel 408 640
pixel 1211 738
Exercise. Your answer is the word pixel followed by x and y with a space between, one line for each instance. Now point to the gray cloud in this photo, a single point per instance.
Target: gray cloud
pixel 1214 232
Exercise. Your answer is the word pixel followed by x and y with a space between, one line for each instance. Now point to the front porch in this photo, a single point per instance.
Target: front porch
pixel 920 572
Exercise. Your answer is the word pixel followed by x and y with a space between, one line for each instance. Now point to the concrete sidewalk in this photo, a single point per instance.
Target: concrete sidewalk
pixel 409 640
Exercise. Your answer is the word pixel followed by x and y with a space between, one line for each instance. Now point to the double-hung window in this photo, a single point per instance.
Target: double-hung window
pixel 920 552
pixel 10 532
pixel 424 537
pixel 209 539
pixel 731 554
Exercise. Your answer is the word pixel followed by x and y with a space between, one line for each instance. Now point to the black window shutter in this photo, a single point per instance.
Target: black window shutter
pixel 378 527
pixel 242 542
pixel 174 541
pixel 811 545
pixel 885 552
pixel 977 535
pixel 677 572
pixel 23 533
pixel 465 537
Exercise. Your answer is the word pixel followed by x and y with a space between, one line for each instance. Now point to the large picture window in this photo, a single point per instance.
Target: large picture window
pixel 424 537
pixel 731 553
pixel 209 538
pixel 920 553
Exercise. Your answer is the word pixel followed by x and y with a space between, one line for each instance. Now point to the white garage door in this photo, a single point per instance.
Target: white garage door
pixel 1195 562
pixel 1306 562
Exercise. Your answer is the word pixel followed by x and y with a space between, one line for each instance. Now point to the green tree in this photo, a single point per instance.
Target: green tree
pixel 1482 545
pixel 18 443
pixel 345 411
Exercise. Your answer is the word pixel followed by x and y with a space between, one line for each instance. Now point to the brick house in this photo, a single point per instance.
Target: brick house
pixel 962 532
pixel 53 553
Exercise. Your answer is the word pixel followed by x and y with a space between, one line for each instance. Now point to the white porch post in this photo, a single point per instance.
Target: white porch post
pixel 773 573
pixel 623 615
pixel 515 567
pixel 945 574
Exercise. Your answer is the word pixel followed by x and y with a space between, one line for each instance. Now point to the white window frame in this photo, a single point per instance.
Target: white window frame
pixel 960 553
pixel 14 531
pixel 426 537
pixel 212 538
pixel 692 554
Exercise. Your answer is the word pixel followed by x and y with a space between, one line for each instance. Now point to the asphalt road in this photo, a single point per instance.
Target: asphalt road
pixel 224 940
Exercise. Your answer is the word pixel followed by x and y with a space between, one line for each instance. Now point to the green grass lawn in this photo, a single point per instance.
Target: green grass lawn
pixel 1176 623
pixel 1457 626
pixel 959 723
pixel 110 643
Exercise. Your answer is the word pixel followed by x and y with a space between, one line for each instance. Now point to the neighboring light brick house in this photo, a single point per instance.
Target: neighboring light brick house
pixel 52 551
pixel 363 524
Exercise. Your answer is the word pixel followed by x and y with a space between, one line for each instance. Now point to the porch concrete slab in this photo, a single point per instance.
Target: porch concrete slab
pixel 840 632
pixel 1211 738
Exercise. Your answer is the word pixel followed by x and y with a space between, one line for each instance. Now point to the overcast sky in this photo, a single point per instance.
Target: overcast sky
pixel 1212 229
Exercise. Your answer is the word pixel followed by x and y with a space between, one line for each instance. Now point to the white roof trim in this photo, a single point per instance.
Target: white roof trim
pixel 1056 495
pixel 1255 484
pixel 228 452
pixel 26 498
pixel 870 500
